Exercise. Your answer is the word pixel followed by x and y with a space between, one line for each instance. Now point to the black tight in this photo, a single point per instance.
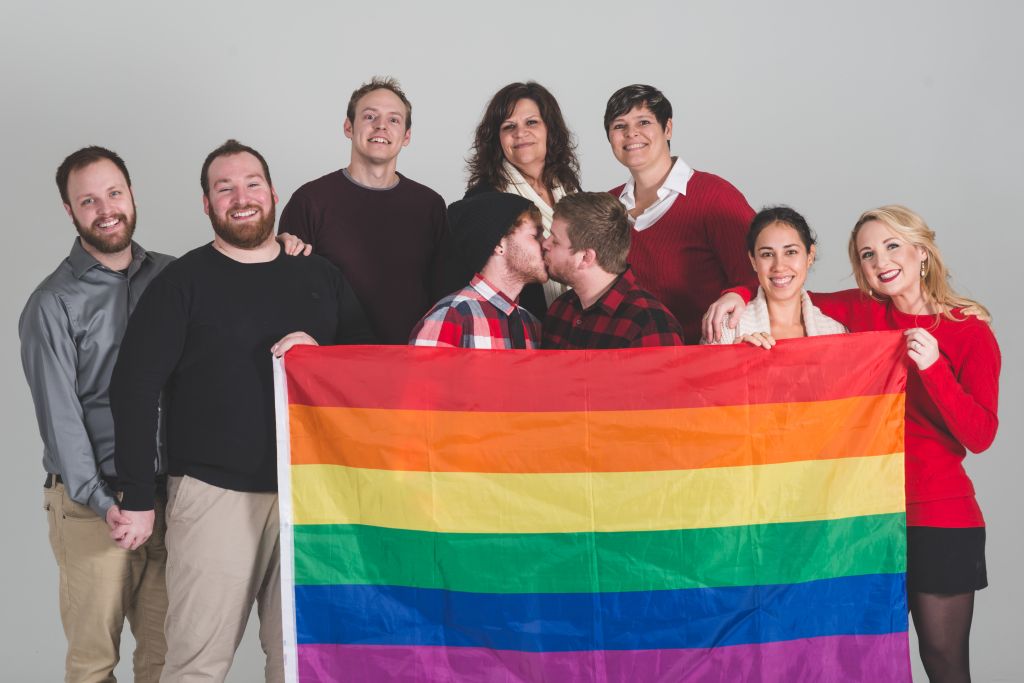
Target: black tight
pixel 943 625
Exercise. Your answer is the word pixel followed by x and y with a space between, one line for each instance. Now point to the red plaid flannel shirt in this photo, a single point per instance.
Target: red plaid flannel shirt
pixel 625 317
pixel 475 317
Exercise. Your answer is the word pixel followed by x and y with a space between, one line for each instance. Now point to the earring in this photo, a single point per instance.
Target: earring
pixel 924 268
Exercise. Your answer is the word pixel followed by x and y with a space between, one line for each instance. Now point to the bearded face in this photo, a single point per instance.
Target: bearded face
pixel 101 206
pixel 240 201
pixel 244 227
pixel 108 234
pixel 523 253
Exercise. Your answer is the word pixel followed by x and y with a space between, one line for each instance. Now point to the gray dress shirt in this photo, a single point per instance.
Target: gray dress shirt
pixel 70 330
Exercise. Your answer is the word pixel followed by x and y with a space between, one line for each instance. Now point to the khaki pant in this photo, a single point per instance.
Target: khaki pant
pixel 223 555
pixel 101 585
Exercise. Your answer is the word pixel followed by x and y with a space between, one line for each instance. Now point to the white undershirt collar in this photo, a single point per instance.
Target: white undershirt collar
pixel 674 185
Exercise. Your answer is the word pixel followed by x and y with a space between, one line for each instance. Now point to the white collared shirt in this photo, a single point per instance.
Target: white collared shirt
pixel 674 185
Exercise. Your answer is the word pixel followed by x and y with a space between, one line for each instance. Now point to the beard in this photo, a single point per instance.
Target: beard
pixel 103 243
pixel 524 266
pixel 556 273
pixel 245 235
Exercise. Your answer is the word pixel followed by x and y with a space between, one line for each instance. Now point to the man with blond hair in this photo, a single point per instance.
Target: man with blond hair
pixel 606 308
pixel 382 229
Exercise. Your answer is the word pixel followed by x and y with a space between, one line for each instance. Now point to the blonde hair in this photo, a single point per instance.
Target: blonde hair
pixel 935 282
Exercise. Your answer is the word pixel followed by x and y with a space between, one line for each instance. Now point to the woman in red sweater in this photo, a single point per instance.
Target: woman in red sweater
pixel 952 396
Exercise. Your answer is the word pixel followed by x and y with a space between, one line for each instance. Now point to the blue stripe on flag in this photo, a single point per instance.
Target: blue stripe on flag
pixel 693 618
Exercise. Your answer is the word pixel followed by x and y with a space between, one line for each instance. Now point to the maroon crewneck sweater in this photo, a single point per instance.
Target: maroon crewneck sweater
pixel 695 250
pixel 385 242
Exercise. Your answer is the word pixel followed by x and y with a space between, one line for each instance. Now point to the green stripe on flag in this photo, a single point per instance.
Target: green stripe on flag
pixel 763 554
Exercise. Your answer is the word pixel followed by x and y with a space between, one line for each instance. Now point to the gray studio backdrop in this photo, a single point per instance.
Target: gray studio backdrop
pixel 829 107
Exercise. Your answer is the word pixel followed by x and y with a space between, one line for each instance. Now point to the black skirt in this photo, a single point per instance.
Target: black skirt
pixel 945 561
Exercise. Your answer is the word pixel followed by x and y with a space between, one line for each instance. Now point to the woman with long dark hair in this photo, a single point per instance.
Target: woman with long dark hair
pixel 781 247
pixel 523 146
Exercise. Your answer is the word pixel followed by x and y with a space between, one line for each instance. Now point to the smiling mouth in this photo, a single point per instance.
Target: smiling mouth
pixel 634 146
pixel 380 140
pixel 107 224
pixel 242 214
pixel 781 281
pixel 889 275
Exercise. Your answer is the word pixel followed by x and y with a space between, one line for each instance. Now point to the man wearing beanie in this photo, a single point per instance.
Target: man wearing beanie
pixel 606 308
pixel 495 244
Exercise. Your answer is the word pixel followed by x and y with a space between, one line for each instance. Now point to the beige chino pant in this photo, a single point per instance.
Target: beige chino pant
pixel 100 586
pixel 223 555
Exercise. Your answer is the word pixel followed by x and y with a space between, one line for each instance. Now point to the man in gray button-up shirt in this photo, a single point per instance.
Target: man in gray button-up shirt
pixel 70 332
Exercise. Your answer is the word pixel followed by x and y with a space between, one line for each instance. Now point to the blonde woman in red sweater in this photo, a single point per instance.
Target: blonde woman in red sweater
pixel 952 399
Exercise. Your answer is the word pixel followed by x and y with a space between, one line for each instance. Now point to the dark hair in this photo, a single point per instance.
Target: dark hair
pixel 780 214
pixel 85 157
pixel 485 163
pixel 598 221
pixel 229 148
pixel 624 100
pixel 379 83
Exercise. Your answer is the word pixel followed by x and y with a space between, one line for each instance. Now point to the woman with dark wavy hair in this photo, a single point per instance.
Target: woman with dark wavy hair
pixel 523 146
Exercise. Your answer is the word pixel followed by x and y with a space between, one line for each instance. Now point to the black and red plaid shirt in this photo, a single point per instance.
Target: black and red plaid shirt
pixel 625 317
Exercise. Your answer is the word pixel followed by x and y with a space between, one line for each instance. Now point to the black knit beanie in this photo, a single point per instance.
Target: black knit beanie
pixel 477 223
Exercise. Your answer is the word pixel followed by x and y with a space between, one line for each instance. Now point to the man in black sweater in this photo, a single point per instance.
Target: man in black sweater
pixel 203 333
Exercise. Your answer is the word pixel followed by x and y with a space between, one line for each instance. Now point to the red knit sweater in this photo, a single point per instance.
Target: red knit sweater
pixel 695 250
pixel 951 406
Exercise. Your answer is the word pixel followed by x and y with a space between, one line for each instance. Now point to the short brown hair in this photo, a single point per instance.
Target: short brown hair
pixel 379 83
pixel 625 100
pixel 87 156
pixel 230 148
pixel 598 221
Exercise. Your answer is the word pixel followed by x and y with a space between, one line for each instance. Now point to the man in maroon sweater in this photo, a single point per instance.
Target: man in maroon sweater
pixel 689 227
pixel 380 228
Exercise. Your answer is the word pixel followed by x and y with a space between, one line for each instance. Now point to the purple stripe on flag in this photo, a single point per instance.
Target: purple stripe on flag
pixel 826 659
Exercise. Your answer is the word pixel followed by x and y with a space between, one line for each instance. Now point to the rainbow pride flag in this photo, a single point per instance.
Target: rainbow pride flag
pixel 677 514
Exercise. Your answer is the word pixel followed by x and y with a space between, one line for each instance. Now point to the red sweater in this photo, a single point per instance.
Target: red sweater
pixel 951 406
pixel 695 250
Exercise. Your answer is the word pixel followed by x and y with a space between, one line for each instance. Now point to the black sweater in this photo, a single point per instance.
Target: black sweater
pixel 202 332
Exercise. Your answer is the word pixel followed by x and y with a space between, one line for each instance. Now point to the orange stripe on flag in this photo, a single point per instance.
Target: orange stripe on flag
pixel 608 441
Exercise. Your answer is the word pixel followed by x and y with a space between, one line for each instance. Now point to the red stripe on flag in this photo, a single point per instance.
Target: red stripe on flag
pixel 670 377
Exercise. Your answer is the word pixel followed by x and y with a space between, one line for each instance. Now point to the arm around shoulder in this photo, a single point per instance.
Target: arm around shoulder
pixel 297 219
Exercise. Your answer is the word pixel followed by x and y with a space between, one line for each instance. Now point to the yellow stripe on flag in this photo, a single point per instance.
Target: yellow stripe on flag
pixel 605 501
